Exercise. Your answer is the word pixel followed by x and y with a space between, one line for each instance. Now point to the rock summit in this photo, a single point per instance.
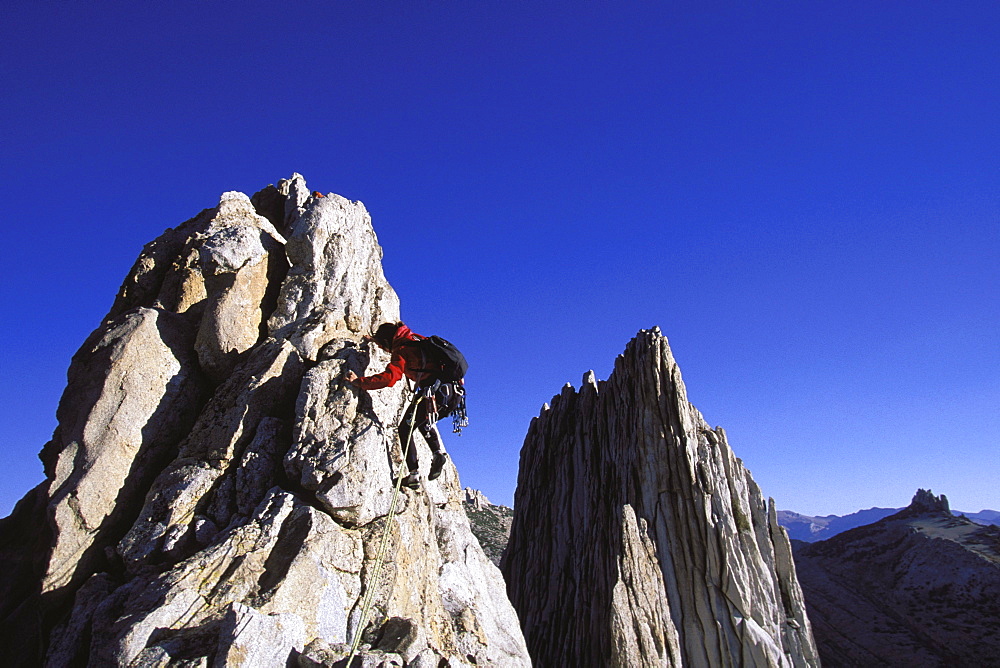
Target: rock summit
pixel 215 496
pixel 639 539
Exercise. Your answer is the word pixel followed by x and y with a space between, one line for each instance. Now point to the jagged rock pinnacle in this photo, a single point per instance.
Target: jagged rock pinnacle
pixel 924 501
pixel 214 494
pixel 639 539
pixel 476 498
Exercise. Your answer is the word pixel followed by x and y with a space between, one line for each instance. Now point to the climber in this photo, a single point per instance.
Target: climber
pixel 436 368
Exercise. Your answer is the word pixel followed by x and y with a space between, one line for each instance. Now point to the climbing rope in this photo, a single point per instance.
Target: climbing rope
pixel 370 594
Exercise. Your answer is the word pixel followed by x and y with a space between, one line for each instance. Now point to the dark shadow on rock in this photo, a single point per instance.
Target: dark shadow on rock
pixel 270 203
pixel 291 537
pixel 277 270
pixel 168 424
pixel 187 644
pixel 397 635
pixel 25 541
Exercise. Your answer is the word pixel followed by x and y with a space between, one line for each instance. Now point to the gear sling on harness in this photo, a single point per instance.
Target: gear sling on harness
pixel 380 556
pixel 445 399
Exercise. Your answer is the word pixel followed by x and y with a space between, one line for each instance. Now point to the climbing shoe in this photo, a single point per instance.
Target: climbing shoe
pixel 436 465
pixel 411 480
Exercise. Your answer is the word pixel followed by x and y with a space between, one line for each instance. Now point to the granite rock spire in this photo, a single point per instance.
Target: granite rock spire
pixel 639 539
pixel 215 496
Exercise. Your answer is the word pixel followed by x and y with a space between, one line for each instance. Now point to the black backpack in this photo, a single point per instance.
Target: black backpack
pixel 444 361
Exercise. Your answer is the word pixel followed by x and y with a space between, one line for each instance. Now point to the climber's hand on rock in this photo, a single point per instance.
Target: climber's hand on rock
pixel 350 377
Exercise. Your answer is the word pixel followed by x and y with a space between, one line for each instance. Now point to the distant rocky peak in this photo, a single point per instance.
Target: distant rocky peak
pixel 476 498
pixel 917 588
pixel 924 501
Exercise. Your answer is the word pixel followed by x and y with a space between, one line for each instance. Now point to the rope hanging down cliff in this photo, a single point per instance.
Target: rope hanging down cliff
pixel 380 556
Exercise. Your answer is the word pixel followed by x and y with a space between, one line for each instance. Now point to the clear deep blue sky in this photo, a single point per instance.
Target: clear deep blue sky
pixel 804 196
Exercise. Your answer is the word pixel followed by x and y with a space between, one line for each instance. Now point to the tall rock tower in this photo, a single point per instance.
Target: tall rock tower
pixel 639 539
pixel 215 496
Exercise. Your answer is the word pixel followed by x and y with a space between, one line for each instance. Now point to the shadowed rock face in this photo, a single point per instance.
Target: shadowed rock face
pixel 639 539
pixel 215 496
pixel 918 588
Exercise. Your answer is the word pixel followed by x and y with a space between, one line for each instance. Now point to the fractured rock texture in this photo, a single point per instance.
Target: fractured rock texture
pixel 215 496
pixel 639 539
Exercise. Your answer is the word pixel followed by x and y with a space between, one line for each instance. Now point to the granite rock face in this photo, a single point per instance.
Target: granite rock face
pixel 918 588
pixel 639 539
pixel 215 496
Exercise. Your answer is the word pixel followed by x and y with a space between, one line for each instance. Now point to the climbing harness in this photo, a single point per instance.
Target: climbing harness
pixel 459 418
pixel 370 594
pixel 430 396
pixel 452 395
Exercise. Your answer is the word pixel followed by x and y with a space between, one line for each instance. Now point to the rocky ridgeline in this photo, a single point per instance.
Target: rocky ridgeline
pixel 476 499
pixel 918 588
pixel 215 496
pixel 811 528
pixel 490 523
pixel 639 539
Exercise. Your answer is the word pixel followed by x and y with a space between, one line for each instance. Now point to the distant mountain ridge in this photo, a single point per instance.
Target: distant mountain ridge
pixel 918 588
pixel 984 517
pixel 811 528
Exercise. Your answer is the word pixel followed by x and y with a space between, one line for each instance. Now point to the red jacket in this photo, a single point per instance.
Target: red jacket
pixel 405 361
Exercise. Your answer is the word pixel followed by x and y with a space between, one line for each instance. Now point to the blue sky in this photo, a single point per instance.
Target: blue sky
pixel 804 196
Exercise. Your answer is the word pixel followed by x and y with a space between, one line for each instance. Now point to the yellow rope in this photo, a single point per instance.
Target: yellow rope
pixel 370 594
